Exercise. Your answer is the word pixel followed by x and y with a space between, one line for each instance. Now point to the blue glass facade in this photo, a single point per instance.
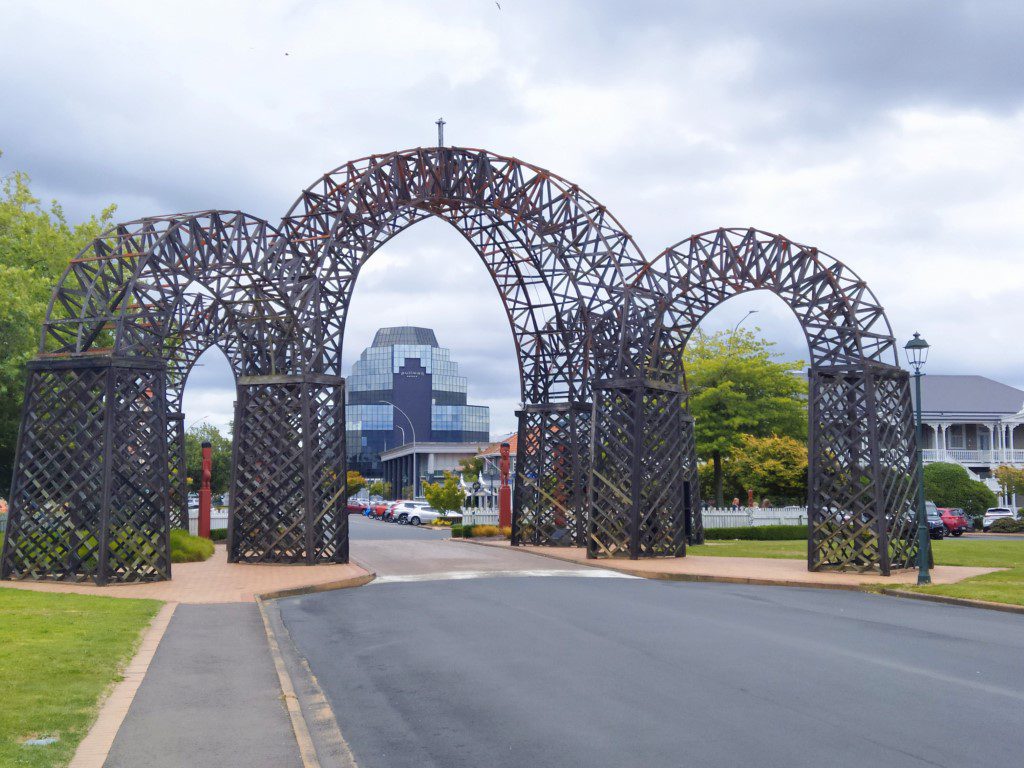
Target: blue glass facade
pixel 405 366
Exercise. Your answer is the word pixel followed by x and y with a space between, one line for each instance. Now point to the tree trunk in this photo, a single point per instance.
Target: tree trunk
pixel 717 460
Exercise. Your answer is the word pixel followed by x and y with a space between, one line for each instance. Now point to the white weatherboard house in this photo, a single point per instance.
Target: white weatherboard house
pixel 972 421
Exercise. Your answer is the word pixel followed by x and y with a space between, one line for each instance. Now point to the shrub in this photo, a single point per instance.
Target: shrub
pixel 456 531
pixel 467 532
pixel 758 533
pixel 486 530
pixel 1007 525
pixel 443 521
pixel 219 534
pixel 949 485
pixel 189 549
pixel 506 531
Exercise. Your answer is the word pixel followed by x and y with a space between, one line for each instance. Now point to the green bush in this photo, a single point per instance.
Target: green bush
pixel 949 485
pixel 758 533
pixel 1007 525
pixel 189 549
pixel 467 532
pixel 219 534
pixel 456 531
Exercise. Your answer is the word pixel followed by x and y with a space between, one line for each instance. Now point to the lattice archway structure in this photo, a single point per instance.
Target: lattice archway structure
pixel 606 455
pixel 861 482
pixel 557 258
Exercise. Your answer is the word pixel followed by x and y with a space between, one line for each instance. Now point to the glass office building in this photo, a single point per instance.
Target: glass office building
pixel 405 367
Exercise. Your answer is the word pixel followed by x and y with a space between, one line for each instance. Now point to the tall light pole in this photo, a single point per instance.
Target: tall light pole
pixel 917 356
pixel 740 322
pixel 415 468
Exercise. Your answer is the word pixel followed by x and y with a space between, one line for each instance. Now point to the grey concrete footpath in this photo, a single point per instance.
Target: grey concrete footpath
pixel 211 698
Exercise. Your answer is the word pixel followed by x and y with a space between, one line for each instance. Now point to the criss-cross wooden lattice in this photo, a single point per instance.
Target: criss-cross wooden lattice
pixel 606 451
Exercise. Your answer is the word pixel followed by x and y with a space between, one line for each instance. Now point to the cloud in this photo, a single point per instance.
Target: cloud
pixel 889 134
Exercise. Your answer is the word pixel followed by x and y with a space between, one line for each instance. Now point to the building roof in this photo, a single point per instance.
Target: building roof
pixel 404 334
pixel 976 395
pixel 494 449
pixel 468 449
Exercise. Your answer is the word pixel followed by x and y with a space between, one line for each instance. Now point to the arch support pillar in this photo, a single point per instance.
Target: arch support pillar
pixel 644 499
pixel 177 472
pixel 90 494
pixel 288 501
pixel 862 481
pixel 552 466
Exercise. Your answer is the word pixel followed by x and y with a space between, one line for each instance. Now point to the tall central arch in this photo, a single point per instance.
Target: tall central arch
pixel 606 455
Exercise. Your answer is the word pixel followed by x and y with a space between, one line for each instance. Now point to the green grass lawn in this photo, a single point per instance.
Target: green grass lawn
pixel 1002 587
pixel 58 654
pixel 773 549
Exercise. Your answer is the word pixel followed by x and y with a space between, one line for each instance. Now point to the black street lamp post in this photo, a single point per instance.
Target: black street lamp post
pixel 917 356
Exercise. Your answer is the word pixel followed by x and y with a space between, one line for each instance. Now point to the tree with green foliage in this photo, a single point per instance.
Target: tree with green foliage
pixel 220 454
pixel 738 386
pixel 471 468
pixel 1010 479
pixel 447 496
pixel 380 488
pixel 949 485
pixel 36 244
pixel 773 467
pixel 354 482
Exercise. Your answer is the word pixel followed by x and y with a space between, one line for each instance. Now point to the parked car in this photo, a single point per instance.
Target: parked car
pixel 401 512
pixel 936 528
pixel 429 515
pixel 954 519
pixel 996 513
pixel 389 513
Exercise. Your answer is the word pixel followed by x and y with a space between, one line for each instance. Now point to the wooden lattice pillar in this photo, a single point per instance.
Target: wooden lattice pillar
pixel 89 500
pixel 288 501
pixel 643 497
pixel 861 478
pixel 552 468
pixel 177 474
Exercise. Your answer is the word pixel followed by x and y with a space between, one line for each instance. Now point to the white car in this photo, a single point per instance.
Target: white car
pixel 429 515
pixel 996 513
pixel 405 508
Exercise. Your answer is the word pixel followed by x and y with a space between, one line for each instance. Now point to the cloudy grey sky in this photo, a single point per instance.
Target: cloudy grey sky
pixel 889 134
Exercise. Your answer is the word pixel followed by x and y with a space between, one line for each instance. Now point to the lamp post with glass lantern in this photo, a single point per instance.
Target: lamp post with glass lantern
pixel 917 356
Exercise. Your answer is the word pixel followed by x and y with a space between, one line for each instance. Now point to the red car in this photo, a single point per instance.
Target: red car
pixel 954 520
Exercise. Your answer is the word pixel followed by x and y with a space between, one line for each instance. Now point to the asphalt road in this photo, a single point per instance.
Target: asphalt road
pixel 565 671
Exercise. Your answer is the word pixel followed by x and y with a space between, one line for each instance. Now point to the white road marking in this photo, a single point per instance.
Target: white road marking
pixel 587 573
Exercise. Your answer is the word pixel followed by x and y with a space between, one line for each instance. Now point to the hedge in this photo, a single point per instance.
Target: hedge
pixel 758 533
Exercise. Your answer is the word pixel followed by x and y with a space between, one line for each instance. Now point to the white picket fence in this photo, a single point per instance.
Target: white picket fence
pixel 218 519
pixel 716 517
pixel 470 517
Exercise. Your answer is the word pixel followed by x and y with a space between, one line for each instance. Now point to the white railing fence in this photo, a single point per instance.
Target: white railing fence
pixel 475 517
pixel 727 517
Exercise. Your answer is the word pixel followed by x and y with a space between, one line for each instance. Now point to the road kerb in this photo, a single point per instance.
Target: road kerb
pixel 947 600
pixel 307 752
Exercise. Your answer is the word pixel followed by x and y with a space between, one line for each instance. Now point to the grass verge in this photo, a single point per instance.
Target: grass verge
pixel 1001 587
pixel 58 654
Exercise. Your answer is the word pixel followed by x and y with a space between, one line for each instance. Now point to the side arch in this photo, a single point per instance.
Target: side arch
pixel 861 483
